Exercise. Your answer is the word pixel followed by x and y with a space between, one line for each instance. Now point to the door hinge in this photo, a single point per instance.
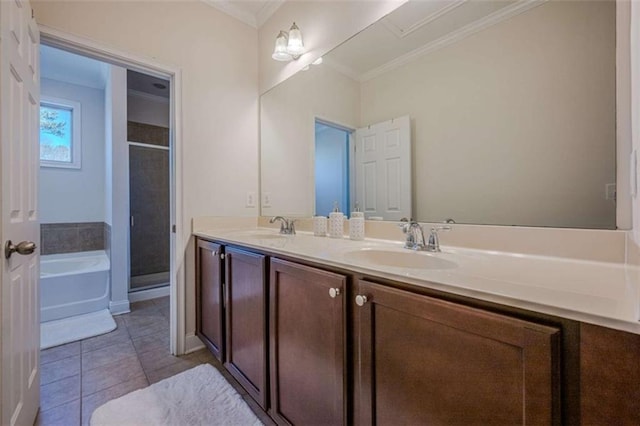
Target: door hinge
pixel 131 221
pixel 173 228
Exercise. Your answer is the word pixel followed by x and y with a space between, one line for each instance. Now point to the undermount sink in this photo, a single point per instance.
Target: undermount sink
pixel 397 259
pixel 262 234
pixel 270 236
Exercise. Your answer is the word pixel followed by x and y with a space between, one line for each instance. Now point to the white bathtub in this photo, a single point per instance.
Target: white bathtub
pixel 73 284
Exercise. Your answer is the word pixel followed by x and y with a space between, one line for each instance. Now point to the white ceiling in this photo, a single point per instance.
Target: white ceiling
pixel 56 64
pixel 138 83
pixel 417 28
pixel 251 12
pixel 60 65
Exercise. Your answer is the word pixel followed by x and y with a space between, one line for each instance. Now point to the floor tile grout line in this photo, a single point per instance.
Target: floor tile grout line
pixel 157 308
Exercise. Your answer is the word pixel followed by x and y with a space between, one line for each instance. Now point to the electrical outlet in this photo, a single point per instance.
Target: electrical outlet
pixel 610 191
pixel 251 199
pixel 266 199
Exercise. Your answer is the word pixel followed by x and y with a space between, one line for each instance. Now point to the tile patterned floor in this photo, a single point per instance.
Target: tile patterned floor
pixel 78 377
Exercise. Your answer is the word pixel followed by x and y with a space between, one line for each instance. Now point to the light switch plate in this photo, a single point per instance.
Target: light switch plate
pixel 610 191
pixel 266 199
pixel 251 199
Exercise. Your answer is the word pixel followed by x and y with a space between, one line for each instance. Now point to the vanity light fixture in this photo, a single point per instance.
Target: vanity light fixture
pixel 289 45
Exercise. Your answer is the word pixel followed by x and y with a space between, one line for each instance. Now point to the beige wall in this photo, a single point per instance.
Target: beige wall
pixel 635 112
pixel 142 109
pixel 324 25
pixel 509 124
pixel 287 114
pixel 216 55
pixel 623 114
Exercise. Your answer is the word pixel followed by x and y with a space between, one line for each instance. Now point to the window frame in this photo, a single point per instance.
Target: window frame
pixel 76 127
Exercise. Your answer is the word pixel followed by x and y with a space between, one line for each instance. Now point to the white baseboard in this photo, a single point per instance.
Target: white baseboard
pixel 152 293
pixel 192 343
pixel 119 307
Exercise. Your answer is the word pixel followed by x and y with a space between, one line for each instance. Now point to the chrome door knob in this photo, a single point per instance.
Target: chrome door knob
pixel 333 292
pixel 24 248
pixel 361 300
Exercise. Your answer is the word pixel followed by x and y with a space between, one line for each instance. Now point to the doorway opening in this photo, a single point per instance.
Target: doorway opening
pixel 333 165
pixel 119 155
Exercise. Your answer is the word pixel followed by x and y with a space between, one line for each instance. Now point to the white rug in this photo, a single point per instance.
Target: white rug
pixel 200 396
pixel 66 330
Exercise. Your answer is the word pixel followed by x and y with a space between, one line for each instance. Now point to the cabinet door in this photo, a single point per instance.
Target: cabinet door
pixel 427 361
pixel 307 345
pixel 246 322
pixel 209 314
pixel 609 376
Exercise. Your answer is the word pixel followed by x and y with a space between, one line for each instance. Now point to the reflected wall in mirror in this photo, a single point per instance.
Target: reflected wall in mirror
pixel 512 108
pixel 332 167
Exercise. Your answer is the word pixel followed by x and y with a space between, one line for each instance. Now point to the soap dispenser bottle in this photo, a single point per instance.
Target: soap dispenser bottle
pixel 336 222
pixel 356 224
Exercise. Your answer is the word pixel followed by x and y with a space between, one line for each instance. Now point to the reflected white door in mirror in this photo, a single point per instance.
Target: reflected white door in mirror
pixel 383 169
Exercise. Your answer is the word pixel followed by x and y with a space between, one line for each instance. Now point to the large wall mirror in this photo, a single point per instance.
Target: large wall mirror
pixel 510 112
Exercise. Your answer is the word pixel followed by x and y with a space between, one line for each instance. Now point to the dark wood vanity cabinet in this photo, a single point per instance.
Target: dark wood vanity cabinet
pixel 317 347
pixel 307 345
pixel 427 361
pixel 246 321
pixel 209 296
pixel 610 376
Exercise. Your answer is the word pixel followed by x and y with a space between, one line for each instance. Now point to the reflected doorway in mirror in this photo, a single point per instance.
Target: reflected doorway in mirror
pixel 333 167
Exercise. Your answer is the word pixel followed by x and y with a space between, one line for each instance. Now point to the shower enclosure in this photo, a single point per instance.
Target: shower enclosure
pixel 149 181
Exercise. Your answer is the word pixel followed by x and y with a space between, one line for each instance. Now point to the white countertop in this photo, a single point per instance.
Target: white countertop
pixel 601 293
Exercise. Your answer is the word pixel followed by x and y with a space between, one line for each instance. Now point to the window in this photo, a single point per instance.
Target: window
pixel 59 133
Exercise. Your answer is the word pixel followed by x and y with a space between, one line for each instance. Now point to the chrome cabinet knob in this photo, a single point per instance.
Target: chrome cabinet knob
pixel 214 253
pixel 333 292
pixel 24 248
pixel 361 300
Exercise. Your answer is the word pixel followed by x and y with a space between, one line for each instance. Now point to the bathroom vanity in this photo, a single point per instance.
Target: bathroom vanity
pixel 317 334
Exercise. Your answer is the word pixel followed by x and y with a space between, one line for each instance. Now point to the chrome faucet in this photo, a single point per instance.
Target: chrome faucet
pixel 415 235
pixel 286 225
pixel 434 242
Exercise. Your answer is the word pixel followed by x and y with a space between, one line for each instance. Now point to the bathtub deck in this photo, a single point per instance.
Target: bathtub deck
pixel 79 377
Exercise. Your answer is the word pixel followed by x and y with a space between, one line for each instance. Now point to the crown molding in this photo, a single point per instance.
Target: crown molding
pixel 230 8
pixel 270 7
pixel 400 33
pixel 455 36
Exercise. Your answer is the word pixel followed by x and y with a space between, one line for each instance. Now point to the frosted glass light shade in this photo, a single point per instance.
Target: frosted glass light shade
pixel 280 52
pixel 295 46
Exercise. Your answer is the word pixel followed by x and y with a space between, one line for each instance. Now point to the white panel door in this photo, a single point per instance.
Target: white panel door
pixel 19 136
pixel 383 169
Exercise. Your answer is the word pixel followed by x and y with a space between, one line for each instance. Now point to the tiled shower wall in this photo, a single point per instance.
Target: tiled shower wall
pixel 74 237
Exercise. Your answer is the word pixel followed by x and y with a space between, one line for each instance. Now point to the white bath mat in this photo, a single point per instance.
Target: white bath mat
pixel 66 330
pixel 199 396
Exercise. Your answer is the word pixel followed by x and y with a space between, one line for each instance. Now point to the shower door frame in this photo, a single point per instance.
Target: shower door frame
pixel 62 40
